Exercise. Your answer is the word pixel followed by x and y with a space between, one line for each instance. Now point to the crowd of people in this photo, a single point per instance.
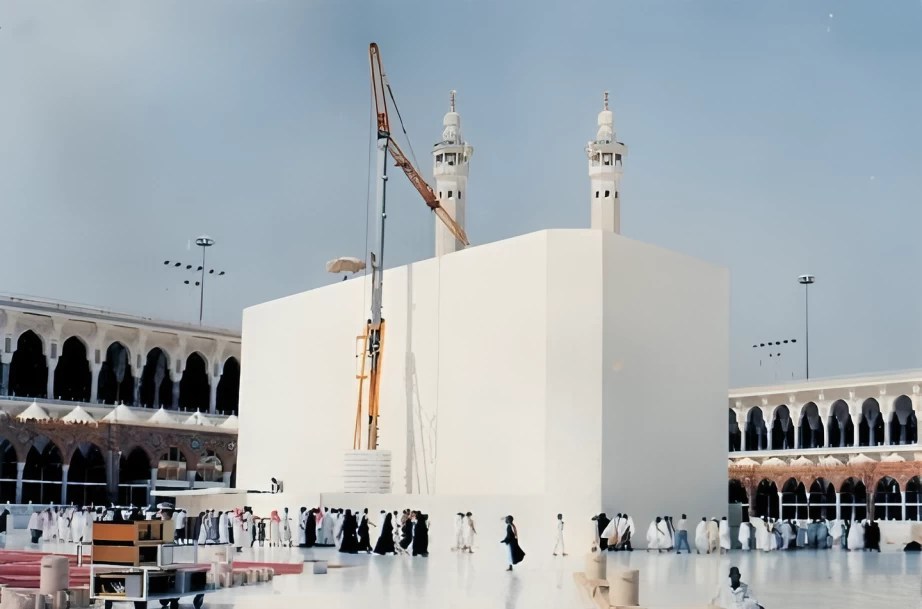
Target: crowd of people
pixel 346 530
pixel 713 535
pixel 791 534
pixel 74 524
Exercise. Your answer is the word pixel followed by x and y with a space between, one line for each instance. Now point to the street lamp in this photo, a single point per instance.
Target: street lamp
pixel 807 281
pixel 203 242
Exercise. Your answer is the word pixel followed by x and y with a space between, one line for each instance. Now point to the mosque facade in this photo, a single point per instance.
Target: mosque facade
pixel 99 407
pixel 836 448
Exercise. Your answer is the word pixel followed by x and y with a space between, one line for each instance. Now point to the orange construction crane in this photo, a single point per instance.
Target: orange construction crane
pixel 372 341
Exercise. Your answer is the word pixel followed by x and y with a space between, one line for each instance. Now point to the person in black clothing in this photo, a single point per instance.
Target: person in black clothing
pixel 602 521
pixel 514 550
pixel 349 543
pixel 421 535
pixel 364 538
pixel 385 543
pixel 872 537
pixel 406 529
pixel 261 532
pixel 310 530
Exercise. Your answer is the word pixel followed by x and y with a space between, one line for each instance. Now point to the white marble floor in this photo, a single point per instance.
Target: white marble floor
pixel 791 580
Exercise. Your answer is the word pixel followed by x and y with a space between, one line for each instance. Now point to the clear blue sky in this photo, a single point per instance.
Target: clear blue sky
pixel 769 137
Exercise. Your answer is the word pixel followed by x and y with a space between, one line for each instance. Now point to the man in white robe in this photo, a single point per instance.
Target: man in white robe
pixel 338 518
pixel 558 544
pixel 713 536
pixel 653 535
pixel 701 537
pixel 610 532
pixel 724 532
pixel 326 526
pixel 78 525
pixel 459 532
pixel 835 531
pixel 856 536
pixel 763 535
pixel 744 535
pixel 470 532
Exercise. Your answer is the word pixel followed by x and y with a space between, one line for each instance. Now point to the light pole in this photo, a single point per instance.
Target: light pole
pixel 203 242
pixel 806 281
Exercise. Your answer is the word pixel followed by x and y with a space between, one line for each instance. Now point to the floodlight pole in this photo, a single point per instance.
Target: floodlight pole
pixel 807 281
pixel 203 242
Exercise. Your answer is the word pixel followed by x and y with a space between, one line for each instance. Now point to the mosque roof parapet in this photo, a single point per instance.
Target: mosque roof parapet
pixel 848 388
pixel 80 312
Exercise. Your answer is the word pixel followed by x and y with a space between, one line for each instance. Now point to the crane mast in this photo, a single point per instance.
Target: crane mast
pixel 372 341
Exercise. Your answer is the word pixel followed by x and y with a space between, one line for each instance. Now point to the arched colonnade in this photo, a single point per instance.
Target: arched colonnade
pixel 881 421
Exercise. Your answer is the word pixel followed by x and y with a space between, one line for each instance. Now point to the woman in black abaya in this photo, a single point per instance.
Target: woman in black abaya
pixel 310 529
pixel 364 534
pixel 421 535
pixel 385 544
pixel 515 555
pixel 349 544
pixel 406 531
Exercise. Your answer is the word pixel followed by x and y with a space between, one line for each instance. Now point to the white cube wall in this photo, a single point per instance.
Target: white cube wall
pixel 512 369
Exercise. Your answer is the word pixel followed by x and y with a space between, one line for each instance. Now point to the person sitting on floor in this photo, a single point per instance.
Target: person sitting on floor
pixel 735 594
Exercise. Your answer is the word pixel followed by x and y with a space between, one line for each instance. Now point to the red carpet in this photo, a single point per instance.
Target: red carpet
pixel 22 569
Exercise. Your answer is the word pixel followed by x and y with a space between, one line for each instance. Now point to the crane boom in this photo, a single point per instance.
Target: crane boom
pixel 372 339
pixel 380 91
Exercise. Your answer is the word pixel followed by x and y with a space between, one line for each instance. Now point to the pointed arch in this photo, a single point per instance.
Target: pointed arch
pixel 86 477
pixel 841 426
pixel 156 384
pixel 782 437
pixel 29 368
pixel 871 424
pixel 134 476
pixel 42 473
pixel 794 499
pixel 756 430
pixel 766 503
pixel 194 390
pixel 853 497
pixel 888 499
pixel 822 499
pixel 116 380
pixel 72 376
pixel 228 394
pixel 904 427
pixel 812 431
pixel 914 498
pixel 8 470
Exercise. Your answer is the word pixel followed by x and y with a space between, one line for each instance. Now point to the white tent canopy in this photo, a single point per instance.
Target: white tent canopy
pixel 78 415
pixel 162 417
pixel 197 418
pixel 34 413
pixel 121 414
pixel 230 422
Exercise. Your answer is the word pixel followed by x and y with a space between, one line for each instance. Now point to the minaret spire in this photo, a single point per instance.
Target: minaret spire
pixel 451 157
pixel 606 155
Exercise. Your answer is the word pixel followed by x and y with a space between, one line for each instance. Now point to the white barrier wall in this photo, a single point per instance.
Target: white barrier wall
pixel 665 368
pixel 522 368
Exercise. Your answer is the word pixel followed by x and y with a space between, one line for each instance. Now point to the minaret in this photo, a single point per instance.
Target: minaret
pixel 451 158
pixel 605 158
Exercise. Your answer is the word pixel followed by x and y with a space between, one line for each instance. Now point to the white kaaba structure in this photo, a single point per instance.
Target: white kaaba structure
pixel 572 371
